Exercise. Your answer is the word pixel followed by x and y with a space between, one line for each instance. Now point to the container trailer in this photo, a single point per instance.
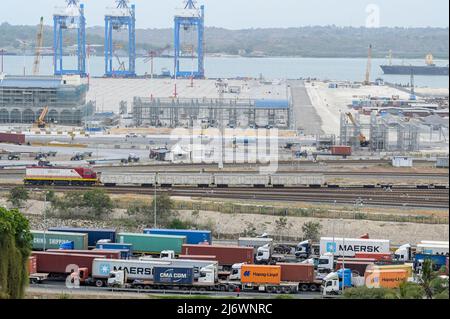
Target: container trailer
pixel 438 261
pixel 94 235
pixel 193 237
pixel 348 247
pixel 227 256
pixel 385 278
pixel 34 276
pixel 53 240
pixel 265 278
pixel 109 254
pixel 152 244
pixel 126 250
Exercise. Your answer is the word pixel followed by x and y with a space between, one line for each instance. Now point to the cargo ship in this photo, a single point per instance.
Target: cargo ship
pixel 429 69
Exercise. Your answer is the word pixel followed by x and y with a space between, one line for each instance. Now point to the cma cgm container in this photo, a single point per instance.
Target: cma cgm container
pixel 193 237
pixel 110 254
pixel 94 235
pixel 174 275
pixel 227 256
pixel 12 138
pixel 152 244
pixel 261 274
pixel 388 278
pixel 53 240
pixel 57 264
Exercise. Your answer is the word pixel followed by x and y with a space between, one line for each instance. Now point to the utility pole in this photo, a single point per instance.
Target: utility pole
pixel 2 52
pixel 45 219
pixel 154 201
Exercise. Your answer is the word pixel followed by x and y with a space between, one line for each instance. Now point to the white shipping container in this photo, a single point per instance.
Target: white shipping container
pixel 185 179
pixel 289 180
pixel 432 249
pixel 349 246
pixel 136 269
pixel 242 179
pixel 128 179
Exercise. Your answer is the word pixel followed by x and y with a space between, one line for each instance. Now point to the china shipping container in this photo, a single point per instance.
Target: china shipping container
pixel 12 138
pixel 53 240
pixel 261 274
pixel 152 244
pixel 94 235
pixel 193 237
pixel 227 256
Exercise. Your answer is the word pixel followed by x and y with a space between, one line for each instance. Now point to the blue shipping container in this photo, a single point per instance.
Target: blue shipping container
pixel 173 275
pixel 94 235
pixel 70 245
pixel 193 237
pixel 438 261
pixel 126 250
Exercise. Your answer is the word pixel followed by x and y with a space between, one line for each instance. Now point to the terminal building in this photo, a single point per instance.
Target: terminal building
pixel 23 98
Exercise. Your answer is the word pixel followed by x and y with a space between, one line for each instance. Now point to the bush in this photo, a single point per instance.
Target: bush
pixel 311 230
pixel 17 196
pixel 367 293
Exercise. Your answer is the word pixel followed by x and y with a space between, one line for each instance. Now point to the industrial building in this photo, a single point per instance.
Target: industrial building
pixel 232 113
pixel 23 99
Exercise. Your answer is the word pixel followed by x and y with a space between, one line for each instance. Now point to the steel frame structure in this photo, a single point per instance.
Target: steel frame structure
pixel 122 16
pixel 190 17
pixel 70 18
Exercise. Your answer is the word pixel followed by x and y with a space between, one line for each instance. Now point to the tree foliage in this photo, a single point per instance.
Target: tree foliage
pixel 15 248
pixel 17 196
pixel 311 230
pixel 91 204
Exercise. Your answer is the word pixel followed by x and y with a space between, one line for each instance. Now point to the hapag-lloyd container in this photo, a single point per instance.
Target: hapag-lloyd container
pixel 261 274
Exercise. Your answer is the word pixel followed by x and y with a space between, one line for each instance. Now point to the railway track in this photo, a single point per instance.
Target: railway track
pixel 397 197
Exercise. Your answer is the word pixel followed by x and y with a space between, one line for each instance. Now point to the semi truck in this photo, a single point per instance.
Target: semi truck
pixel 255 243
pixel 302 276
pixel 270 254
pixel 110 254
pixel 34 276
pixel 406 252
pixel 348 247
pixel 94 235
pixel 152 244
pixel 438 261
pixel 193 237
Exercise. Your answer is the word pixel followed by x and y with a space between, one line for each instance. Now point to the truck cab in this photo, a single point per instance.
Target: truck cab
pixel 303 250
pixel 325 263
pixel 403 253
pixel 335 282
pixel 167 254
pixel 117 279
pixel 207 275
pixel 236 272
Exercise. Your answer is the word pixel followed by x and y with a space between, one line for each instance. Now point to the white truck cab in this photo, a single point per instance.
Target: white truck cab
pixel 167 254
pixel 403 253
pixel 236 272
pixel 117 279
pixel 325 263
pixel 207 275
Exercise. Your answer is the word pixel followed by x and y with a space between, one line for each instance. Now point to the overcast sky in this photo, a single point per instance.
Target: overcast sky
pixel 238 14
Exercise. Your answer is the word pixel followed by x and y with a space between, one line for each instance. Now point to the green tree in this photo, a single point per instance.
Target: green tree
pixel 15 248
pixel 17 196
pixel 98 202
pixel 311 230
pixel 164 209
pixel 410 290
pixel 367 293
pixel 427 277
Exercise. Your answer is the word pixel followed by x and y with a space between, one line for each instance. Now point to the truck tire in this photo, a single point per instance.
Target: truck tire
pixel 34 281
pixel 270 289
pixel 99 283
pixel 304 288
pixel 313 288
pixel 147 287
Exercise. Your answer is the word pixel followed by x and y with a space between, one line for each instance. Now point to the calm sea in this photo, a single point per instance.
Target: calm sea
pixel 271 68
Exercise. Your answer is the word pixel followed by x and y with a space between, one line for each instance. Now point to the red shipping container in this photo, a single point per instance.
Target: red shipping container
pixel 12 138
pixel 301 273
pixel 32 265
pixel 58 263
pixel 341 150
pixel 226 255
pixel 377 257
pixel 196 257
pixel 109 254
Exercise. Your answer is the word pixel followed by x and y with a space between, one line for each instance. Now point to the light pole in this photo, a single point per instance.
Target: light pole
pixel 154 202
pixel 343 256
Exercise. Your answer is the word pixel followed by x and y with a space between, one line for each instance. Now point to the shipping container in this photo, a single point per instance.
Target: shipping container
pixel 341 150
pixel 408 267
pixel 193 237
pixel 113 179
pixel 53 240
pixel 12 138
pixel 378 257
pixel 32 265
pixel 60 264
pixel 152 244
pixel 110 254
pixel 125 249
pixel 230 180
pixel 196 257
pixel 301 273
pixel 260 274
pixel 135 269
pixel 356 265
pixel 348 247
pixel 173 275
pixel 389 278
pixel 227 256
pixel 94 235
pixel 172 179
pixel 295 180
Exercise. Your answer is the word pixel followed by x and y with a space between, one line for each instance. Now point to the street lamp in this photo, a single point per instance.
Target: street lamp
pixel 154 202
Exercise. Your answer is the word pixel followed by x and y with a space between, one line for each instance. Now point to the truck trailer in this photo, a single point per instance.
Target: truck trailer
pixel 348 247
pixel 152 244
pixel 53 240
pixel 193 237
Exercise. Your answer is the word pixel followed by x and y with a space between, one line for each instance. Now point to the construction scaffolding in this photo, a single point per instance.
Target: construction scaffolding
pixel 384 133
pixel 231 113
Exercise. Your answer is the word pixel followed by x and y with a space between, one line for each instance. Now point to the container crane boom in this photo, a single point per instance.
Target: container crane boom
pixel 39 44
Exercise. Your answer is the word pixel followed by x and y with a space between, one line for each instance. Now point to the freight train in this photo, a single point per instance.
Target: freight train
pixel 79 176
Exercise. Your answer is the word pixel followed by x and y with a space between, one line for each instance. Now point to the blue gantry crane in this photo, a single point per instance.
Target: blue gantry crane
pixel 69 17
pixel 123 16
pixel 189 19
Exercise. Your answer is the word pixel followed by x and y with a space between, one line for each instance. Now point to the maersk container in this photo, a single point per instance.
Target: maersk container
pixel 293 180
pixel 94 235
pixel 53 240
pixel 168 179
pixel 229 180
pixel 173 275
pixel 113 179
pixel 152 244
pixel 193 237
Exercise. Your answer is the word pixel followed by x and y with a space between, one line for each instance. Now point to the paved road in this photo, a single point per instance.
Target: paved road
pixel 305 115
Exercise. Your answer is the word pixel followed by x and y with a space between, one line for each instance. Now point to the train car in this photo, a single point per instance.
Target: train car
pixel 128 179
pixel 64 176
pixel 296 180
pixel 195 180
pixel 243 180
